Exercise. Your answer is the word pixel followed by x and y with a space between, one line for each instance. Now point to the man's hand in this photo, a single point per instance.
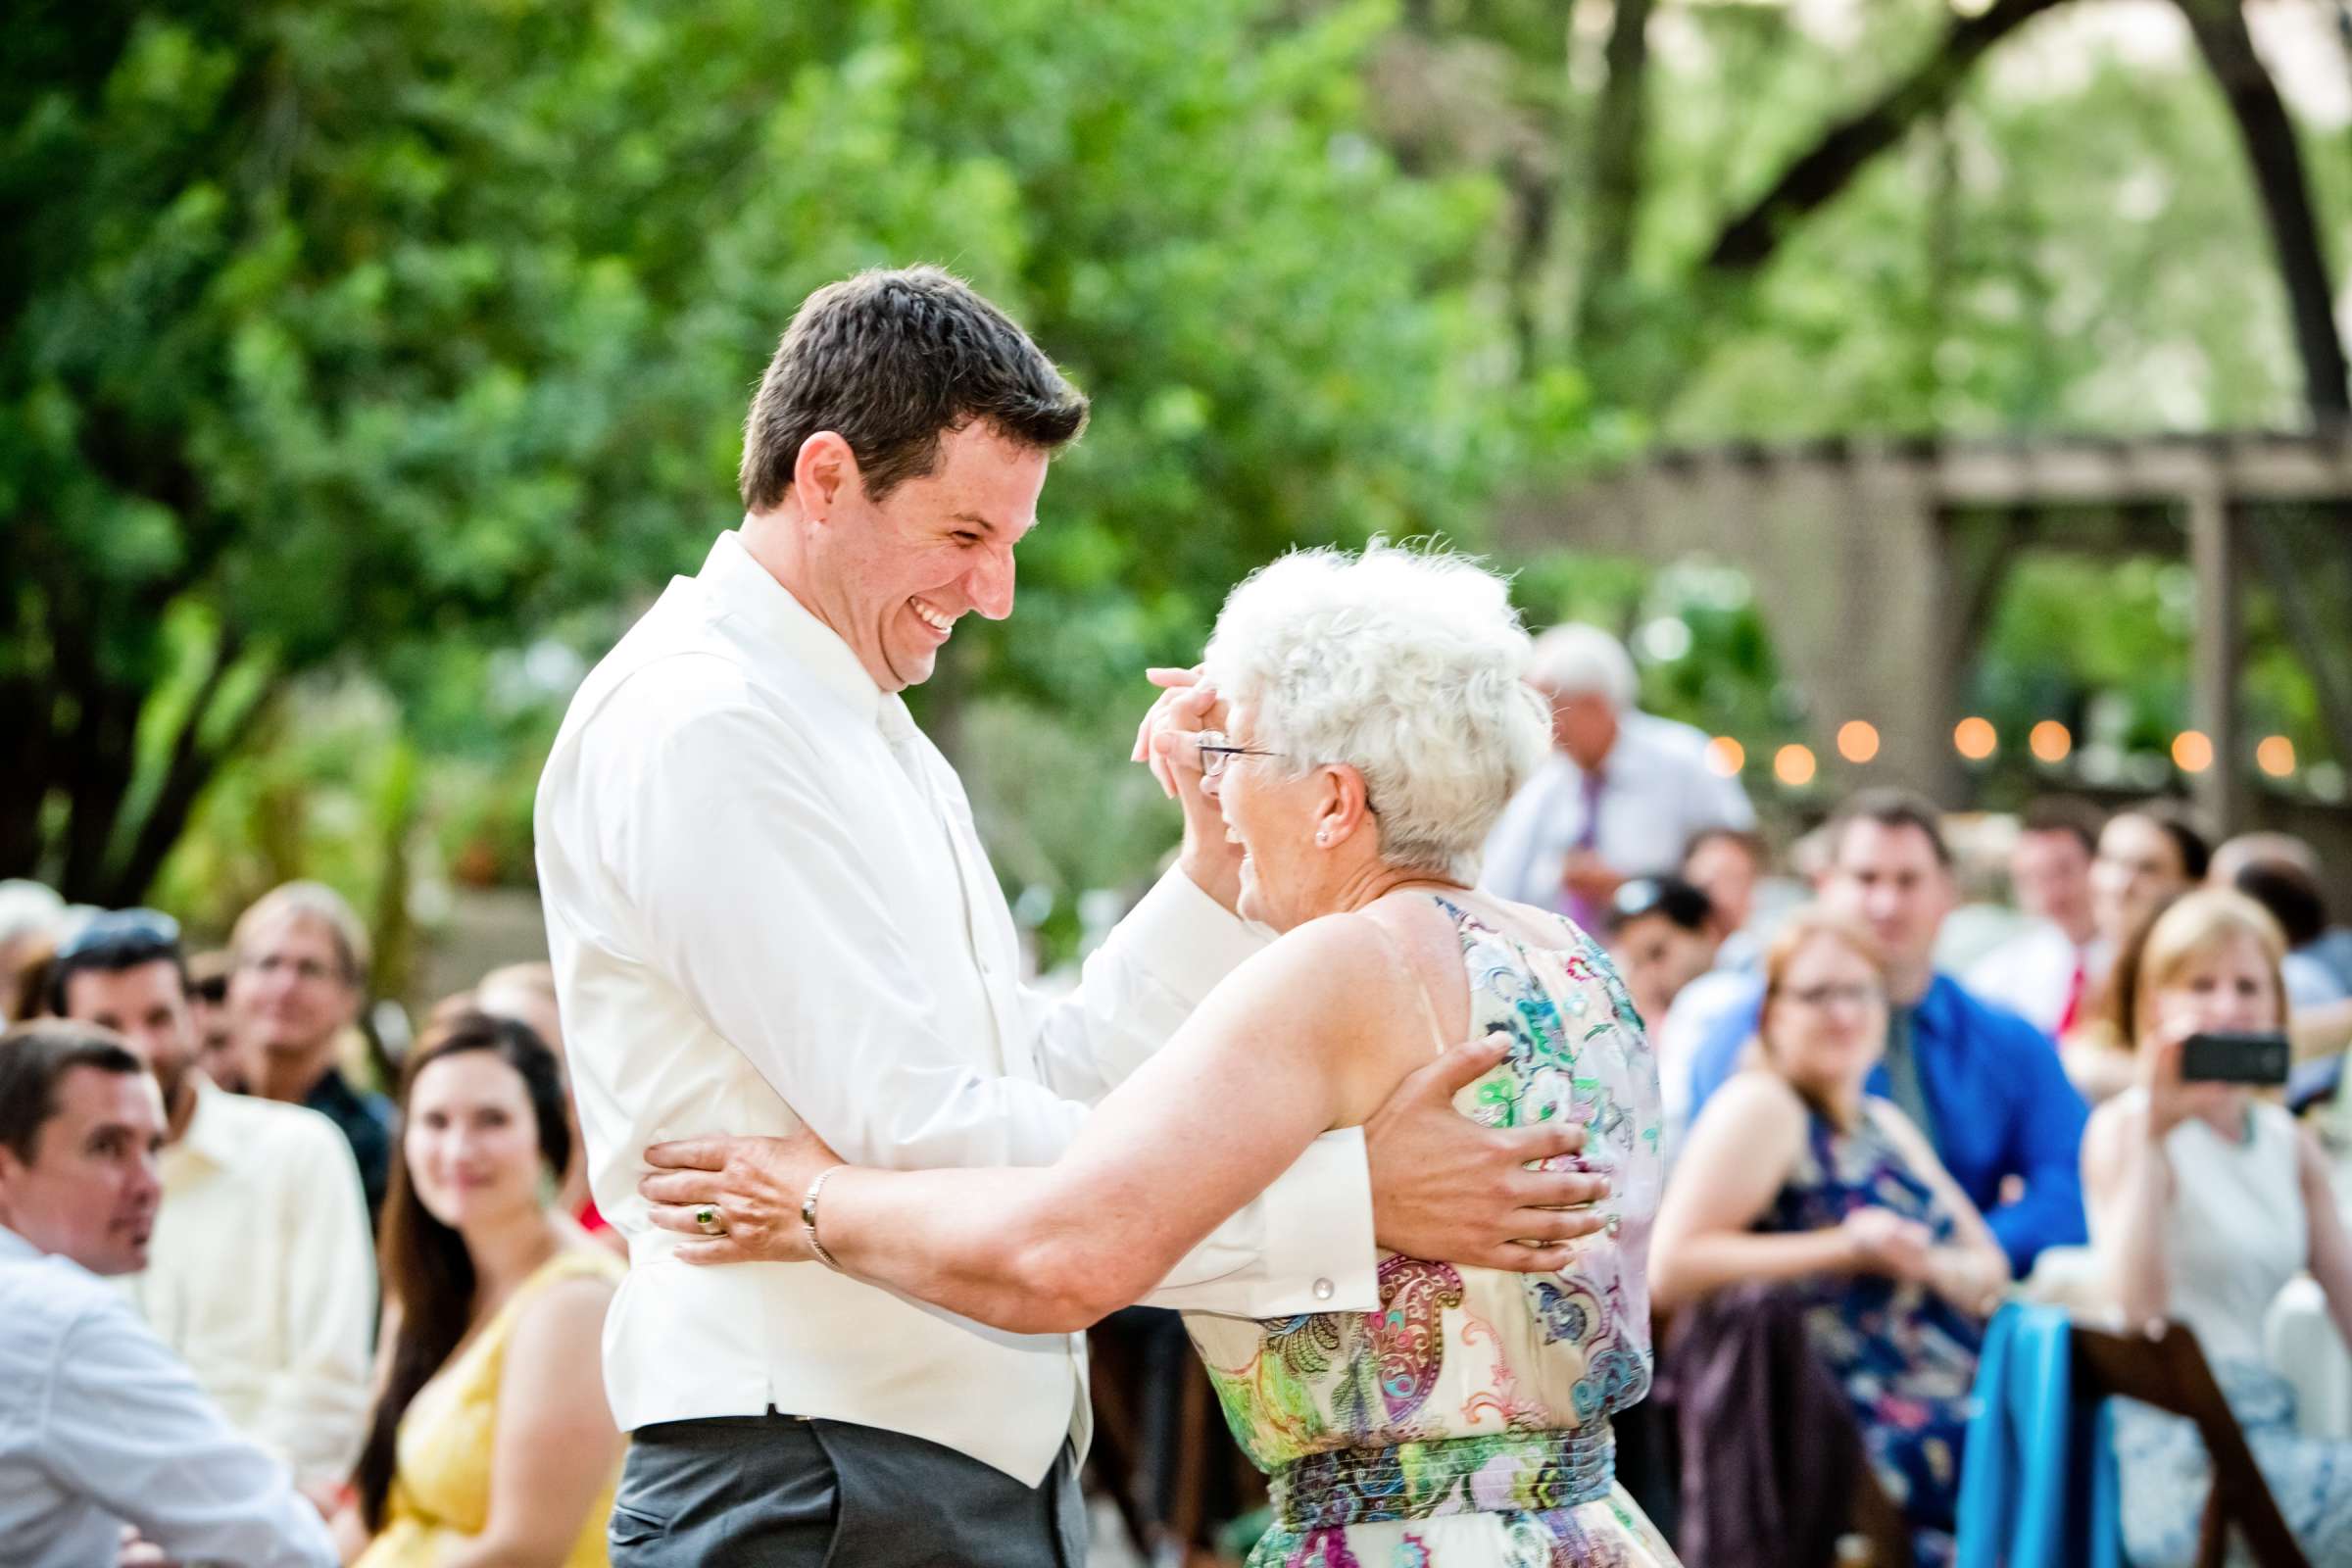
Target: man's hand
pixel 1165 742
pixel 1586 875
pixel 1446 1188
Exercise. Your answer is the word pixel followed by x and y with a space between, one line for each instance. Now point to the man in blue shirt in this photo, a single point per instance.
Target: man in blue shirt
pixel 1986 1085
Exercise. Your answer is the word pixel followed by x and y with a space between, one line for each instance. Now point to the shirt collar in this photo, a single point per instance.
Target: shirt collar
pixel 767 610
pixel 15 1249
pixel 210 1135
pixel 1936 1012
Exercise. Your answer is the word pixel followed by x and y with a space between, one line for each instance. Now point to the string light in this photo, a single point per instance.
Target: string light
pixel 1726 756
pixel 2050 741
pixel 1976 739
pixel 1857 740
pixel 2276 755
pixel 1793 765
pixel 2192 751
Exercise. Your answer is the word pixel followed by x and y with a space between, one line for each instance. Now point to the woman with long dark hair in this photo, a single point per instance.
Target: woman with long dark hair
pixel 490 1440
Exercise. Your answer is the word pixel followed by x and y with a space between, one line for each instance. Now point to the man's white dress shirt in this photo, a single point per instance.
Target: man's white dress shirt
pixel 766 902
pixel 100 1426
pixel 261 1276
pixel 1656 792
pixel 2037 975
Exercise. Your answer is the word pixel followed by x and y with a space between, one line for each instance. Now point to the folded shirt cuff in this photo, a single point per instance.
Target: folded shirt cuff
pixel 1185 939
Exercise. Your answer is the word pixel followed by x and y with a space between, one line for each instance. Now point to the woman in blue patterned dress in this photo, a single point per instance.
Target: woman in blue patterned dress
pixel 1794 1173
pixel 1374 722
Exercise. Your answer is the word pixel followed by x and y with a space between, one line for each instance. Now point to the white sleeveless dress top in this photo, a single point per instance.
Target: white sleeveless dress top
pixel 2235 1232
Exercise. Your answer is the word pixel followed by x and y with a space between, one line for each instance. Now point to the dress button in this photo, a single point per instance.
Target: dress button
pixel 1323 1290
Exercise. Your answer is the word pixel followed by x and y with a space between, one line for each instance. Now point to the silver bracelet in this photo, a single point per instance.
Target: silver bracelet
pixel 809 1219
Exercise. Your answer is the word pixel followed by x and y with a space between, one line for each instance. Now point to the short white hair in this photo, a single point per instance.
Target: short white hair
pixel 1574 659
pixel 1408 664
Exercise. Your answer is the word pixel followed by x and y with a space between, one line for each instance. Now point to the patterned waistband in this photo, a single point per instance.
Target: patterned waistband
pixel 1505 1472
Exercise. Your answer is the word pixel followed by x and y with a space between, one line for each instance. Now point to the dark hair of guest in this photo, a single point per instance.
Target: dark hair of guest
pixel 426 1271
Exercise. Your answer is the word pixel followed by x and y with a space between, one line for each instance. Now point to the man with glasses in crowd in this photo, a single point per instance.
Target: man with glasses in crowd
pixel 1983 1085
pixel 100 1424
pixel 259 1275
pixel 298 974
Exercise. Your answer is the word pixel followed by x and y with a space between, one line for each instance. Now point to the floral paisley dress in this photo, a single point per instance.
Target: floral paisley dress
pixel 1466 1423
pixel 1905 1356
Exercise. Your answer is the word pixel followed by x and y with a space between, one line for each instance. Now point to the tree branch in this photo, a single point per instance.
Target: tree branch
pixel 1747 241
pixel 191 767
pixel 2275 159
pixel 1620 139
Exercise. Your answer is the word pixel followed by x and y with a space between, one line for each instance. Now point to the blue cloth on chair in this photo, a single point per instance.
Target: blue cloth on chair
pixel 2040 1489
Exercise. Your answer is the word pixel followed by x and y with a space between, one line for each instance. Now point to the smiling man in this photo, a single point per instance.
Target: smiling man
pixel 766 904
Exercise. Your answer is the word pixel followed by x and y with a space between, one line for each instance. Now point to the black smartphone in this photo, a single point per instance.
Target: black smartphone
pixel 2232 1057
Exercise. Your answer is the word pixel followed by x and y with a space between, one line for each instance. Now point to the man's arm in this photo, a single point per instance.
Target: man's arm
pixel 129 1428
pixel 315 1402
pixel 2045 1146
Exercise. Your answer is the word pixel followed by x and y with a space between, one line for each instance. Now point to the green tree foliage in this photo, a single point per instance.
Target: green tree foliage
pixel 357 332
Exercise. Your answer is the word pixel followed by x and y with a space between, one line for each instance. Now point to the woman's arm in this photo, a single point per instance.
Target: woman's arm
pixel 2331 1250
pixel 1307 1035
pixel 557 1447
pixel 1972 1268
pixel 1740 1153
pixel 2127 1185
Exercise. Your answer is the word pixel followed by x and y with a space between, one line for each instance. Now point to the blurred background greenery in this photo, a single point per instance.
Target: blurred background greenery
pixel 370 363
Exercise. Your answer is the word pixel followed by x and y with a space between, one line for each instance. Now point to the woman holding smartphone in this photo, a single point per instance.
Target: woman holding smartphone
pixel 2204 1200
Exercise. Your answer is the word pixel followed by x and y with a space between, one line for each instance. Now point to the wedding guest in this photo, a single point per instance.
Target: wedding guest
pixel 298 978
pixel 1725 864
pixel 2149 855
pixel 100 1426
pixel 1663 933
pixel 1620 796
pixel 2205 1201
pixel 2047 972
pixel 1794 1172
pixel 1982 1084
pixel 527 991
pixel 216 1031
pixel 280 1341
pixel 490 1440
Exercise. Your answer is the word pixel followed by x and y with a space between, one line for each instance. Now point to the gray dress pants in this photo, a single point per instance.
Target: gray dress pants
pixel 777 1491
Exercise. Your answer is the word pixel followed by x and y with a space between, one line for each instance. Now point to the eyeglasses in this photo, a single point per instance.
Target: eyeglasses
pixel 1822 998
pixel 118 932
pixel 1216 747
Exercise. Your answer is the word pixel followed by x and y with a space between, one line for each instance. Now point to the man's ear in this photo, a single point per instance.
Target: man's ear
pixel 825 472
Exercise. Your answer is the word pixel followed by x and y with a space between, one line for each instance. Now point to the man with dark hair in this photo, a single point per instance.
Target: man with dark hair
pixel 1984 1085
pixel 100 1424
pixel 280 1341
pixel 766 904
pixel 2045 973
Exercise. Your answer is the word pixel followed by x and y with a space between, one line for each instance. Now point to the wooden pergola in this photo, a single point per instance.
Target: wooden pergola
pixel 1876 563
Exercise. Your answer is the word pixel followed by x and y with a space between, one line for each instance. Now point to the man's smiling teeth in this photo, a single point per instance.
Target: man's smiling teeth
pixel 932 617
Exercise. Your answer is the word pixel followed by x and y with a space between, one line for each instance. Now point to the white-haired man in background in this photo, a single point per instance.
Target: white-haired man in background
pixel 1621 795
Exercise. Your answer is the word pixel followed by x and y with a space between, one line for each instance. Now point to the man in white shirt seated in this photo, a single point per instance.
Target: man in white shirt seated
pixel 100 1426
pixel 2048 972
pixel 261 1276
pixel 1621 796
pixel 767 905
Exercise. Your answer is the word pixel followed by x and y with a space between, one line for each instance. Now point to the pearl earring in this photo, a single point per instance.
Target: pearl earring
pixel 1323 838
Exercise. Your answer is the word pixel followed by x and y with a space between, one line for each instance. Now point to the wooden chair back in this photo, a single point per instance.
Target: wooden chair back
pixel 2169 1372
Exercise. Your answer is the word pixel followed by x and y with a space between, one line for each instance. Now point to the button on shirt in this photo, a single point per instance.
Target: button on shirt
pixel 261 1276
pixel 1655 793
pixel 101 1426
pixel 766 902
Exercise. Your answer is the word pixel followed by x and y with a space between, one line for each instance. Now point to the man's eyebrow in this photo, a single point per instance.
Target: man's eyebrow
pixel 985 525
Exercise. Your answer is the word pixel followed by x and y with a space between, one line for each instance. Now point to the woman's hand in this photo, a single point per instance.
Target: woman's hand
pixel 2173 1099
pixel 1166 742
pixel 1969 1277
pixel 738 1197
pixel 1883 1241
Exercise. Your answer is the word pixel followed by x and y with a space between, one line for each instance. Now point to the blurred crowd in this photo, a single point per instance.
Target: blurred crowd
pixel 1890 1107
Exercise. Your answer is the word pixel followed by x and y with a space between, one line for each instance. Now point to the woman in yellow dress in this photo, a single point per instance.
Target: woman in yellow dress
pixel 490 1440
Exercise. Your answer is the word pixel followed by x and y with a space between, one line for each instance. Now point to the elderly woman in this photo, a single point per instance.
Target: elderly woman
pixel 1374 724
pixel 2205 1201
